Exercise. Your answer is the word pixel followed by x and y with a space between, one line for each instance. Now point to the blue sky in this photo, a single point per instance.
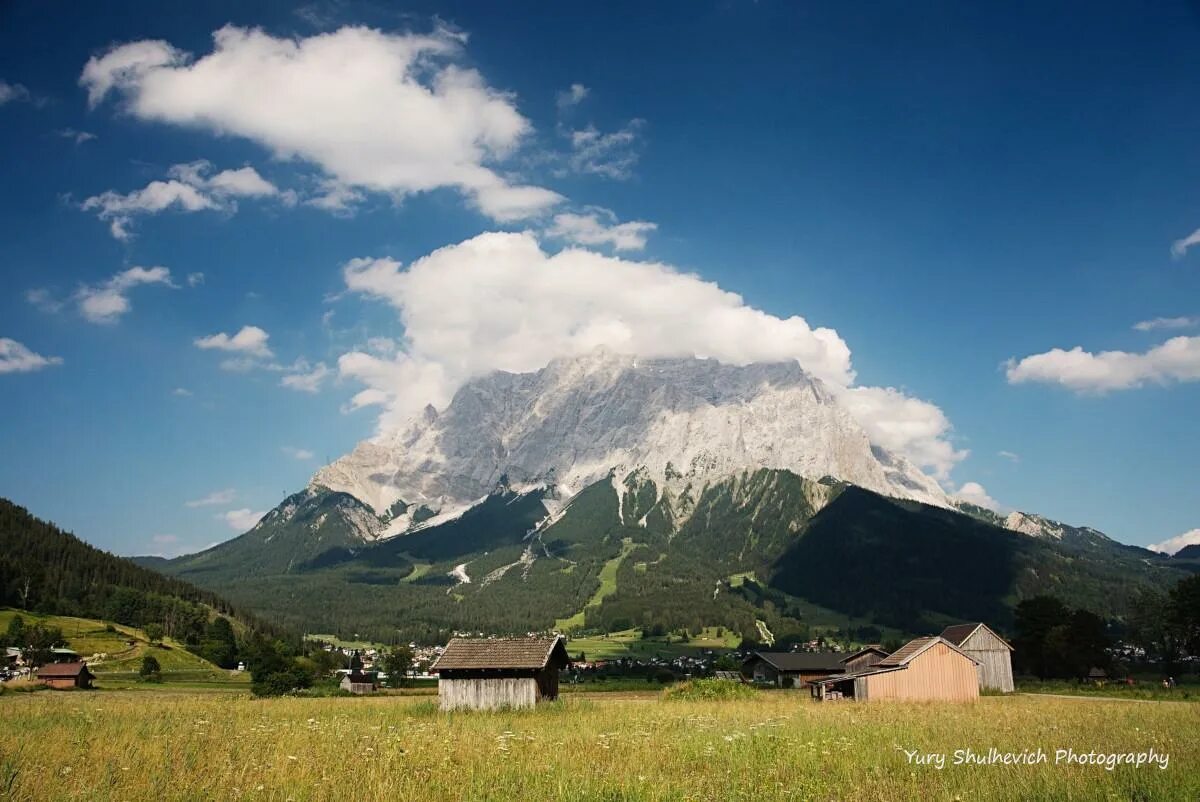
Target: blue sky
pixel 945 188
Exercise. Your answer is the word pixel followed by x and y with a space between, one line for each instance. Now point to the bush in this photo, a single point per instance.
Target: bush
pixel 150 671
pixel 709 690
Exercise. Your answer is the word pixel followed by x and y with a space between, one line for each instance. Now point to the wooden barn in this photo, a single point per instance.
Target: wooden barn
pixel 490 673
pixel 863 658
pixel 991 651
pixel 66 675
pixel 929 668
pixel 791 669
pixel 359 682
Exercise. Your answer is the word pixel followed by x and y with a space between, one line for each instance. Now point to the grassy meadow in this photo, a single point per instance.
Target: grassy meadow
pixel 163 746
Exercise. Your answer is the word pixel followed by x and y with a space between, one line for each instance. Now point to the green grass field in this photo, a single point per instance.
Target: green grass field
pixel 630 643
pixel 119 668
pixel 775 746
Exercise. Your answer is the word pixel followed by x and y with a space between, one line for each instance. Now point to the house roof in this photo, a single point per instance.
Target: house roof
pixel 62 670
pixel 510 653
pixel 915 647
pixel 875 669
pixel 801 661
pixel 879 650
pixel 959 633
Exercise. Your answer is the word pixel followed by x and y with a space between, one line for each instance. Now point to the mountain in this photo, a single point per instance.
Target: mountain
pixel 45 569
pixel 604 492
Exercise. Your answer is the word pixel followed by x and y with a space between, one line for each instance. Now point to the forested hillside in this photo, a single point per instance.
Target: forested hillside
pixel 45 569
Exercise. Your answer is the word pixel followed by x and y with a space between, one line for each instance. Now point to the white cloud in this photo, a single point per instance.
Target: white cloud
pixel 12 92
pixel 44 300
pixel 249 341
pixel 917 429
pixel 108 301
pixel 214 499
pixel 195 279
pixel 572 96
pixel 600 227
pixel 498 302
pixel 392 113
pixel 1181 246
pixel 189 188
pixel 16 358
pixel 78 137
pixel 181 392
pixel 612 155
pixel 1178 359
pixel 241 520
pixel 1010 456
pixel 306 380
pixel 1167 323
pixel 973 493
pixel 1174 544
pixel 301 454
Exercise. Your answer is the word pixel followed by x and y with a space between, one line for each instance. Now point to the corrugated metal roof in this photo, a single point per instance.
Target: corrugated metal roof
pixel 530 653
pixel 866 672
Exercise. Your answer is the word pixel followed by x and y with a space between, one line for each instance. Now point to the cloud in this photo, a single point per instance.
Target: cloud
pixel 498 302
pixel 10 93
pixel 611 155
pixel 973 493
pixel 1008 455
pixel 1181 246
pixel 572 96
pixel 44 300
pixel 214 499
pixel 1174 544
pixel 391 113
pixel 307 380
pixel 917 429
pixel 181 392
pixel 241 520
pixel 195 279
pixel 302 454
pixel 16 358
pixel 600 227
pixel 250 341
pixel 78 137
pixel 189 188
pixel 1178 359
pixel 1167 323
pixel 106 302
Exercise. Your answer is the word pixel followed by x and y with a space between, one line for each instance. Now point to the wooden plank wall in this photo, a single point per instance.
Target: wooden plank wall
pixel 937 673
pixel 995 660
pixel 487 694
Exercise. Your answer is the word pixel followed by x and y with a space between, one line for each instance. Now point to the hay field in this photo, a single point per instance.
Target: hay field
pixel 147 745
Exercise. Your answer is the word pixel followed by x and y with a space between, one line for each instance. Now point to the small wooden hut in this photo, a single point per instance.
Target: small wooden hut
pixel 359 682
pixel 923 669
pixel 490 673
pixel 791 669
pixel 66 675
pixel 865 657
pixel 992 652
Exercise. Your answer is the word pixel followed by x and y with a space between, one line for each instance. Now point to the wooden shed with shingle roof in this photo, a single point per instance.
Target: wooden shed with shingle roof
pixel 491 673
pixel 992 652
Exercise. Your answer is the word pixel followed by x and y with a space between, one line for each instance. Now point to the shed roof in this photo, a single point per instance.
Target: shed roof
pixel 482 653
pixel 909 651
pixel 879 650
pixel 959 633
pixel 802 661
pixel 62 670
pixel 866 672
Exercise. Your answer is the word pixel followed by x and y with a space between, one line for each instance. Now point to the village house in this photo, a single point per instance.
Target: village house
pixel 491 673
pixel 791 669
pixel 66 675
pixel 926 668
pixel 360 682
pixel 863 658
pixel 989 650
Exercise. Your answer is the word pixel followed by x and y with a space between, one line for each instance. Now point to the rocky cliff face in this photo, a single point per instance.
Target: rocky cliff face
pixel 681 424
